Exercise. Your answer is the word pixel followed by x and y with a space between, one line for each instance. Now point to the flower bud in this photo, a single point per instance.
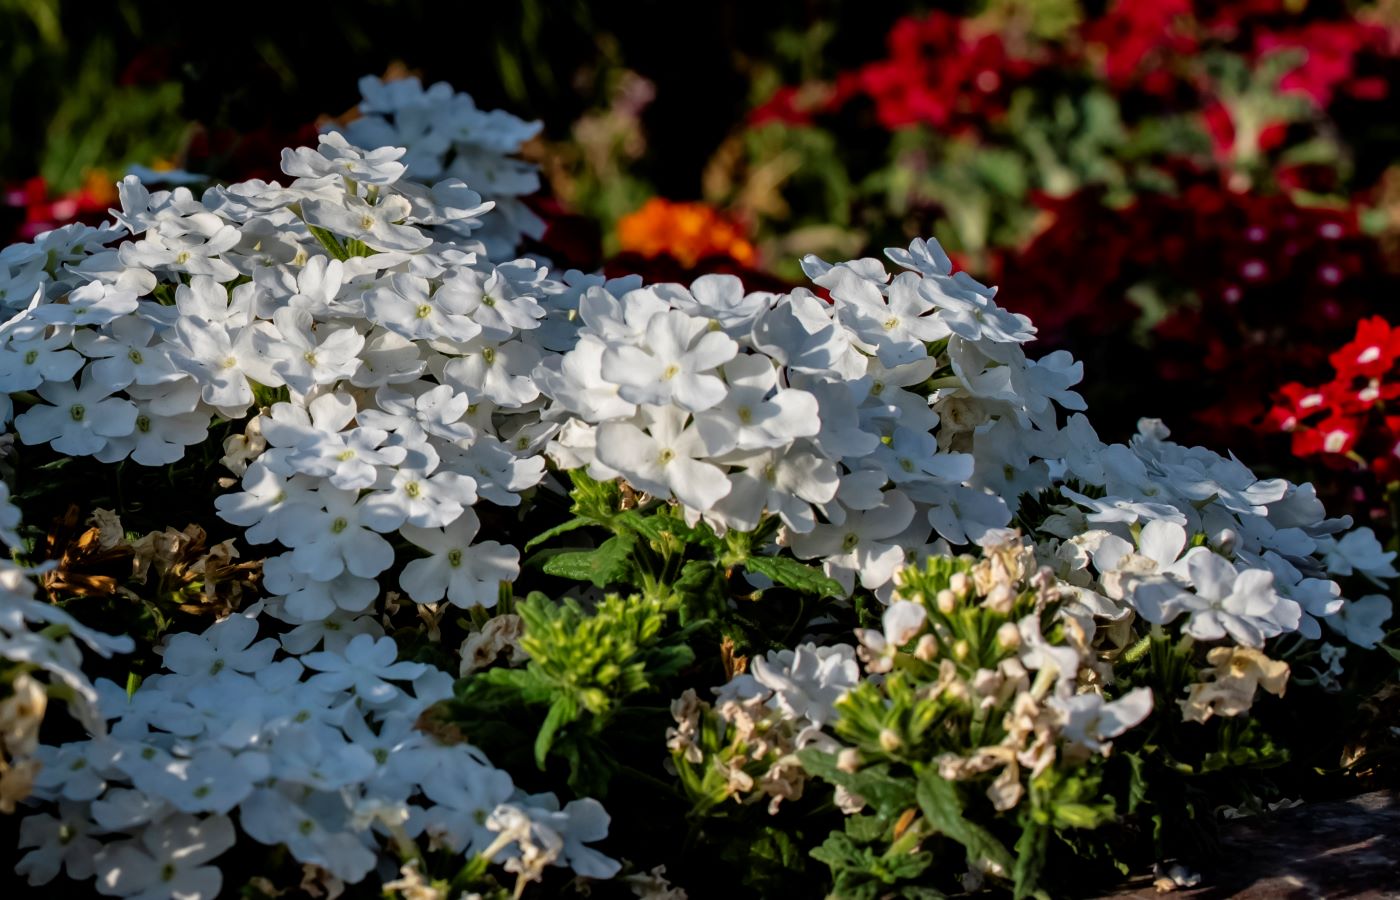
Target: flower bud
pixel 890 741
pixel 1227 540
pixel 848 760
pixel 1000 599
pixel 926 649
pixel 1008 636
pixel 959 584
pixel 961 650
pixel 946 601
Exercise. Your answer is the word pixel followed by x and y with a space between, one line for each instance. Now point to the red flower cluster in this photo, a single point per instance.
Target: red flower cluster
pixel 942 70
pixel 955 73
pixel 941 73
pixel 1345 421
pixel 1330 52
pixel 1256 286
pixel 1135 39
pixel 39 210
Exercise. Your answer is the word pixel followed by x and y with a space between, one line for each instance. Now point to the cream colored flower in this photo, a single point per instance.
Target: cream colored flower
pixel 1235 674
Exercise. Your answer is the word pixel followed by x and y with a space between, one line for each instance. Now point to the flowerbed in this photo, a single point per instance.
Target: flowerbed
pixel 368 558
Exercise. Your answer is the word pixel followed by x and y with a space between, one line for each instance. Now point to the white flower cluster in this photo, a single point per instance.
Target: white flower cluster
pixel 316 751
pixel 396 377
pixel 39 646
pixel 1185 532
pixel 448 136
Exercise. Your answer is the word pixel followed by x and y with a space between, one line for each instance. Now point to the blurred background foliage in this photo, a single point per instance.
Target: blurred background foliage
pixel 1201 197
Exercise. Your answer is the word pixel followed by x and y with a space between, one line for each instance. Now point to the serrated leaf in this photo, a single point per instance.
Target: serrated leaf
pixel 701 587
pixel 563 528
pixel 890 796
pixel 658 525
pixel 793 574
pixel 1031 849
pixel 610 562
pixel 562 712
pixel 866 829
pixel 942 807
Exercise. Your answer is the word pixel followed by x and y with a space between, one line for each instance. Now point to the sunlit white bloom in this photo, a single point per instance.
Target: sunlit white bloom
pixel 468 574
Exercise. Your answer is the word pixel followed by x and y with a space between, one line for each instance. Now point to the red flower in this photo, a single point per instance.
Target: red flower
pixel 1335 435
pixel 1371 354
pixel 939 73
pixel 1136 37
pixel 1329 51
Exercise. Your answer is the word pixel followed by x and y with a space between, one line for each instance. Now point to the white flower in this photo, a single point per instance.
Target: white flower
pixel 169 861
pixel 227 644
pixel 406 306
pixel 436 411
pixel 57 843
pixel 902 621
pixel 211 780
pixel 913 455
pixel 860 547
pixel 580 821
pixel 785 483
pixel 335 156
pixel 221 362
pixel 420 499
pixel 306 600
pixel 81 419
pixel 267 502
pixel 160 439
pixel 673 366
pixel 306 358
pixel 334 538
pixel 722 300
pixel 1363 621
pixel 29 361
pixel 807 682
pixel 314 828
pixel 189 245
pixel 124 353
pixel 665 460
pixel 500 474
pixel 378 226
pixel 968 310
pixel 494 303
pixel 463 793
pixel 1359 551
pixel 923 256
pixel 898 327
pixel 366 665
pixel 961 514
pixel 466 574
pixel 94 303
pixel 755 412
pixel 496 372
pixel 1091 722
pixel 1243 605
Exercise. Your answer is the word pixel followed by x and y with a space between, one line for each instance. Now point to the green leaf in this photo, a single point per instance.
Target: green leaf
pixel 943 807
pixel 610 562
pixel 562 711
pixel 866 829
pixel 701 588
pixel 890 796
pixel 793 574
pixel 1031 849
pixel 571 525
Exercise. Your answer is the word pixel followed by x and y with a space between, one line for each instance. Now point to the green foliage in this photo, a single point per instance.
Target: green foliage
pixel 585 665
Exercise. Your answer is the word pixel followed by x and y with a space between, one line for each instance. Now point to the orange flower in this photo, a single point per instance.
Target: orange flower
pixel 688 232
